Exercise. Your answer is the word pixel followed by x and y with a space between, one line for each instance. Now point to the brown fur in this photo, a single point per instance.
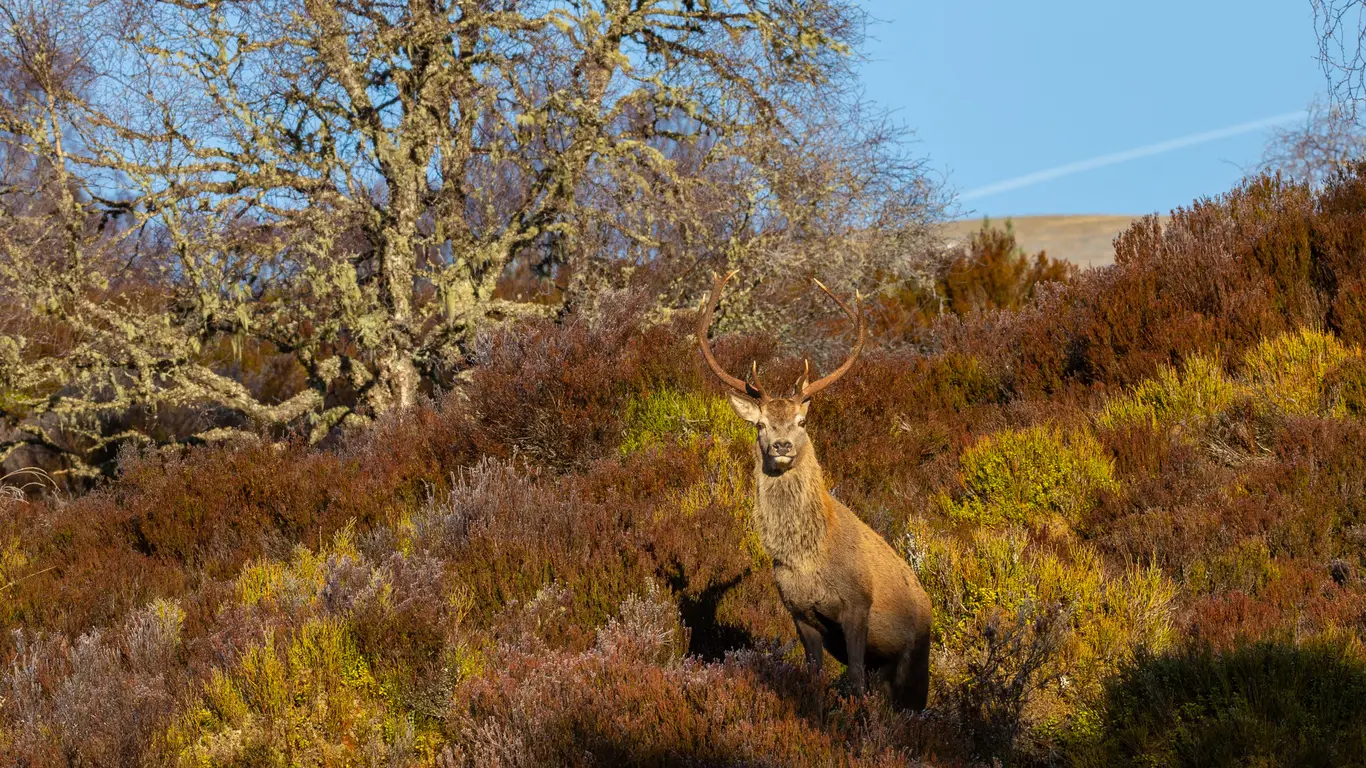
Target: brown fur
pixel 848 591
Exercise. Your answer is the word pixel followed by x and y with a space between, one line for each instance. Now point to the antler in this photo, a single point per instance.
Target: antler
pixel 703 323
pixel 807 390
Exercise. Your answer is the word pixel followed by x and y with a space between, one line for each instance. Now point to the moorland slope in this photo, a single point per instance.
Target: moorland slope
pixel 1137 501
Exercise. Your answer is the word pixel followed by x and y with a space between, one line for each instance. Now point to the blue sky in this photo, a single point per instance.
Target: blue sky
pixel 996 90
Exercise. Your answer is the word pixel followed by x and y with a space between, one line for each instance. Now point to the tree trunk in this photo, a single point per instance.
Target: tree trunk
pixel 397 384
pixel 398 379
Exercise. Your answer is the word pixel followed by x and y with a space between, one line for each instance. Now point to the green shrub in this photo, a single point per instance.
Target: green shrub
pixel 1034 476
pixel 653 418
pixel 1288 371
pixel 312 702
pixel 1199 391
pixel 961 381
pixel 297 583
pixel 1264 704
pixel 1025 637
pixel 1247 567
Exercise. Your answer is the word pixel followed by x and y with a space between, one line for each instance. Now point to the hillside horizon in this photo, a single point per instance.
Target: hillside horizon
pixel 1086 240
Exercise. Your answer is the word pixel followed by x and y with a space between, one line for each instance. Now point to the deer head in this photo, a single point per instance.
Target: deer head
pixel 780 421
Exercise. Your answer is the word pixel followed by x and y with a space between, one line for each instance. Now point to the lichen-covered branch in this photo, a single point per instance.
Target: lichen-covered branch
pixel 344 192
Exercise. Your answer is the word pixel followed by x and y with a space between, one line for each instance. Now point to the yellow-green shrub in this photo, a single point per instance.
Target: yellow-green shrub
pixel 312 702
pixel 1199 390
pixel 960 381
pixel 1033 476
pixel 13 562
pixel 999 569
pixel 1288 371
pixel 727 486
pixel 312 698
pixel 298 582
pixel 1025 637
pixel 668 414
pixel 1246 567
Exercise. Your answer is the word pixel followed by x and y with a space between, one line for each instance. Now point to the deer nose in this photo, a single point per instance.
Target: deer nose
pixel 782 447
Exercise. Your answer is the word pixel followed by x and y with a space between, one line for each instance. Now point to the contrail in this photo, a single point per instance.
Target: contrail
pixel 1159 148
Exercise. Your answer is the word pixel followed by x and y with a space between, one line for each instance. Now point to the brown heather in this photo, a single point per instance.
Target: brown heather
pixel 554 564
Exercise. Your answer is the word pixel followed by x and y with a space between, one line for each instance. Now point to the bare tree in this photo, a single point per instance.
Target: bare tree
pixel 1332 136
pixel 348 184
pixel 1329 140
pixel 1341 29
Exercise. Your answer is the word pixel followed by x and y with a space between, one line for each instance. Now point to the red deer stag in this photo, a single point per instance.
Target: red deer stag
pixel 847 589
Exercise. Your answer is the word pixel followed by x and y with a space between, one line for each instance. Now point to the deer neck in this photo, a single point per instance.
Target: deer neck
pixel 792 508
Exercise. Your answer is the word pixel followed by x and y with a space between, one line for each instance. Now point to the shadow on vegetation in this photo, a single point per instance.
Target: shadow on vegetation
pixel 709 637
pixel 1265 704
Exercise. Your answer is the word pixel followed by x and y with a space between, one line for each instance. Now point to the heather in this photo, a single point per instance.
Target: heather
pixel 1134 496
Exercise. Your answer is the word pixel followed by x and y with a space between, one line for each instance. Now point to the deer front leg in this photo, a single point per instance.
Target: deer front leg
pixel 855 627
pixel 812 643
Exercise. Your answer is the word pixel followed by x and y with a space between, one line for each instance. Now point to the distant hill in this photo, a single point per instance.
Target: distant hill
pixel 1085 240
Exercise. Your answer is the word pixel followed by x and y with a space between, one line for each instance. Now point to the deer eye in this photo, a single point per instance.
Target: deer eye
pixel 800 421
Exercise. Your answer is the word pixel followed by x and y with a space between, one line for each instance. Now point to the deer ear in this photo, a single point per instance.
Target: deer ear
pixel 801 407
pixel 744 407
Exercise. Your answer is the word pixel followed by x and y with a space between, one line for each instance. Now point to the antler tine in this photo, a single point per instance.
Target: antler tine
pixel 838 300
pixel 805 378
pixel 755 389
pixel 703 323
pixel 858 317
